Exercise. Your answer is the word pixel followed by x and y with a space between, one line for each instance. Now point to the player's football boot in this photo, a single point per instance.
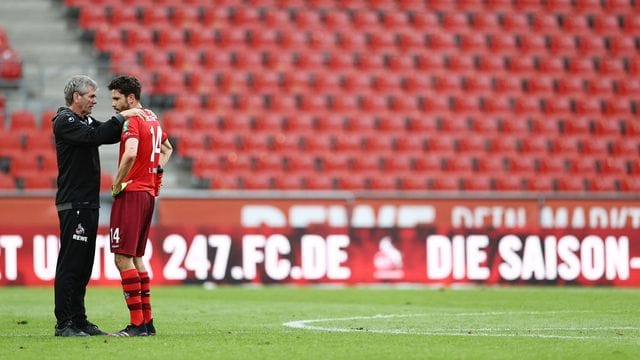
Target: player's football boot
pixel 131 330
pixel 151 330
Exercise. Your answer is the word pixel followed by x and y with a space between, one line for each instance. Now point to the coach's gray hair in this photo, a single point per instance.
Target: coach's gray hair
pixel 80 84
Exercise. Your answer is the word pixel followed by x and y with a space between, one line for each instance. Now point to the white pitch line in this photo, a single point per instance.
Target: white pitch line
pixel 478 332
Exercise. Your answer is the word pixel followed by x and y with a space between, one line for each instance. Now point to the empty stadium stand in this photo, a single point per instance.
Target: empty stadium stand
pixel 386 94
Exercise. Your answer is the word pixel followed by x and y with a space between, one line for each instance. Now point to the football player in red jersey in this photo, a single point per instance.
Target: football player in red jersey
pixel 144 151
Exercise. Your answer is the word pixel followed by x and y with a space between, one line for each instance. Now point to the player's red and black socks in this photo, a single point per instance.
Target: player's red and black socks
pixel 131 287
pixel 146 296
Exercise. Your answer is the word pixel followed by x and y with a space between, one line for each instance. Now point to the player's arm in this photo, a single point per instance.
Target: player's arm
pixel 126 163
pixel 165 152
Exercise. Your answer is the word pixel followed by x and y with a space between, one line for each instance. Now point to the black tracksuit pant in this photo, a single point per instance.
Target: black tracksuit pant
pixel 78 231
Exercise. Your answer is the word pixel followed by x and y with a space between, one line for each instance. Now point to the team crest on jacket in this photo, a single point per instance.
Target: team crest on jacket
pixel 79 235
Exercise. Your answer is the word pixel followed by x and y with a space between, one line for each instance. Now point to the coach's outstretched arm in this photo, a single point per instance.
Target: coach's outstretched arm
pixel 72 128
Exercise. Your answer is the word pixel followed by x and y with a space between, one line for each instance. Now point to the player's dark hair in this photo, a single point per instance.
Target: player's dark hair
pixel 126 85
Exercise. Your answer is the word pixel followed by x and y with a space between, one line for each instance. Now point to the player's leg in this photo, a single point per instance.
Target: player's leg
pixel 131 287
pixel 146 217
pixel 124 234
pixel 145 294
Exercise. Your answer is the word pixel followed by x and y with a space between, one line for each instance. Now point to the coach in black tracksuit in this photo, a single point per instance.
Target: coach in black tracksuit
pixel 77 138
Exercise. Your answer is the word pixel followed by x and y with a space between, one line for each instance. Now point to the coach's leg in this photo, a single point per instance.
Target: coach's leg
pixel 88 218
pixel 63 284
pixel 73 268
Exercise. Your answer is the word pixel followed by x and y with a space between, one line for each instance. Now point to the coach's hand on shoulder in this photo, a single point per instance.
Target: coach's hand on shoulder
pixel 118 188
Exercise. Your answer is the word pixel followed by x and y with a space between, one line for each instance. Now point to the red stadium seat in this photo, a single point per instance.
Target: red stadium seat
pixel 167 36
pixel 477 182
pixel 243 16
pixel 317 181
pixel 613 166
pixel 556 106
pixel 630 23
pixel 182 16
pixel 630 184
pixel 255 181
pixel 444 182
pixel 603 184
pixel 544 127
pixel 409 40
pixel 515 22
pixel 570 85
pixel 533 44
pixel 517 126
pixel 581 165
pixel 7 182
pixel 511 85
pixel 465 104
pixel 416 143
pixel 542 22
pixel 346 143
pixel 595 146
pixel 551 165
pixel 521 164
pixel 503 144
pixel 614 106
pixel 375 142
pixel 540 85
pixel 440 144
pixel 590 45
pixel 426 163
pixel 576 126
pixel 92 17
pixel 580 66
pixel 570 183
pixel 559 6
pixel 441 41
pixel 490 164
pixel 424 21
pixel 459 163
pixel 471 144
pixel 551 65
pixel 299 162
pixel 519 64
pixel 625 147
pixel 485 21
pixel 508 182
pixel 38 141
pixel 366 164
pixel 22 121
pixel 349 181
pixel 287 181
pixel 540 183
pixel 413 182
pixel 587 106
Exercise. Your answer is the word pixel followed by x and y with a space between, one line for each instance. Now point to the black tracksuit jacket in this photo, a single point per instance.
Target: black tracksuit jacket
pixel 77 140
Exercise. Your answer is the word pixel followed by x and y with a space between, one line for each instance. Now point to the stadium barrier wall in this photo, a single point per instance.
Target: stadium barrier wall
pixel 352 240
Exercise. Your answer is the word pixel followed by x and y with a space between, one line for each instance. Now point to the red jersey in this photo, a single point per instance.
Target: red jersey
pixel 150 138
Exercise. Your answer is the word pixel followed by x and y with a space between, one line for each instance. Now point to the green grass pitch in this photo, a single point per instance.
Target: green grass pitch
pixel 338 323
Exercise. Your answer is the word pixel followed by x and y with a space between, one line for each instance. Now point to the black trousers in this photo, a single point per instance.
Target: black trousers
pixel 78 231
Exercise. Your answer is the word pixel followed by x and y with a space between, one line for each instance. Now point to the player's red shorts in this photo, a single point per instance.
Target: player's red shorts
pixel 130 222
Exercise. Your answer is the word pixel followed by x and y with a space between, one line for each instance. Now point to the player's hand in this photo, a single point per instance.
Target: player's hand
pixel 118 188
